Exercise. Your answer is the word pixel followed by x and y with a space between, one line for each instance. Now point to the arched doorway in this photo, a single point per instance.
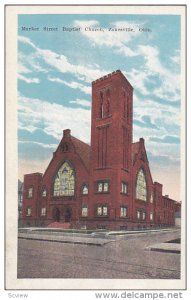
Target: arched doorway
pixel 67 214
pixel 56 214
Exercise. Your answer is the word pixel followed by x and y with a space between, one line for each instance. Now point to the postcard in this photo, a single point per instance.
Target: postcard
pixel 95 147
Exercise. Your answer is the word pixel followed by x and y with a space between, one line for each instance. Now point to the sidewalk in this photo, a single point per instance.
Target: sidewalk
pixel 65 239
pixel 166 247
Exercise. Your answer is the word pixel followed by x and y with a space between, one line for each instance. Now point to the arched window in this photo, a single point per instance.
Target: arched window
pixel 84 189
pixel 101 106
pixel 107 103
pixel 64 182
pixel 44 192
pixel 151 198
pixel 141 186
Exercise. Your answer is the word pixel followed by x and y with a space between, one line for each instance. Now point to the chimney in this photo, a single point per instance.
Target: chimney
pixel 66 132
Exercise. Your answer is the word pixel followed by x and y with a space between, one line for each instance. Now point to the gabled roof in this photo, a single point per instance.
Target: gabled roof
pixel 83 151
pixel 135 148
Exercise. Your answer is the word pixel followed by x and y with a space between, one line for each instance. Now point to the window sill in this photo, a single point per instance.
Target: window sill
pixel 104 118
pixel 55 198
pixel 140 200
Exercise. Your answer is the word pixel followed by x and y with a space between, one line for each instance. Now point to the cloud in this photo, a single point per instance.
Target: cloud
pixel 118 40
pixel 61 63
pixel 170 81
pixel 28 80
pixel 27 41
pixel 138 79
pixel 23 69
pixel 48 146
pixel 168 139
pixel 73 85
pixel 82 102
pixel 146 122
pixel 148 111
pixel 35 113
pixel 176 58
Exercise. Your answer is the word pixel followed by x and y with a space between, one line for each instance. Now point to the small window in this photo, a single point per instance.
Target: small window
pixel 30 192
pixel 99 211
pixel 124 187
pixel 84 211
pixel 123 212
pixel 105 186
pixel 29 211
pixel 102 187
pixel 151 216
pixel 84 190
pixel 151 198
pixel 44 192
pixel 138 214
pixel 102 210
pixel 43 211
pixel 144 215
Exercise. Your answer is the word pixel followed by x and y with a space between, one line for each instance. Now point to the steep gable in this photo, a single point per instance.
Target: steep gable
pixel 83 150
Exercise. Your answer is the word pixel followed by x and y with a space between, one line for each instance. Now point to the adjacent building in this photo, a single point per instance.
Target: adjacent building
pixel 107 184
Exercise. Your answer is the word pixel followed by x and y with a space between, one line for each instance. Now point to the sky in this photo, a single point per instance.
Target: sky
pixel 55 71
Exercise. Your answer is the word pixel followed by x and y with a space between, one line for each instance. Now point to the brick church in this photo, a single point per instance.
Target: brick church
pixel 105 185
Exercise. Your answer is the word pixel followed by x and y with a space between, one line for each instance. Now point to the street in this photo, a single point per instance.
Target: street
pixel 122 257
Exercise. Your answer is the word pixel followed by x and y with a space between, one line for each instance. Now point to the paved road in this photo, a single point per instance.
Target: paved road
pixel 125 257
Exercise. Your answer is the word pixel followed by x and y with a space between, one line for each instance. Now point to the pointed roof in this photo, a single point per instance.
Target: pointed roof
pixel 135 147
pixel 83 151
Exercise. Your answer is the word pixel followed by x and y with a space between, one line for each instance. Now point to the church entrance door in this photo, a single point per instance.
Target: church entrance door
pixel 56 215
pixel 68 214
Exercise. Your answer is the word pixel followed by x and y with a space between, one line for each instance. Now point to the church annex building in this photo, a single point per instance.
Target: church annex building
pixel 105 185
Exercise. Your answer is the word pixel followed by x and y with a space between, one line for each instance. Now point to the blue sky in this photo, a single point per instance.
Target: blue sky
pixel 55 71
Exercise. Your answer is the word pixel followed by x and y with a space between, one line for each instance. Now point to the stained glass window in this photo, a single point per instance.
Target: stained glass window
pixel 141 186
pixel 64 182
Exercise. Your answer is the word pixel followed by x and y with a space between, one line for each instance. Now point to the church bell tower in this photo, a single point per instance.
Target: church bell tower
pixel 111 137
